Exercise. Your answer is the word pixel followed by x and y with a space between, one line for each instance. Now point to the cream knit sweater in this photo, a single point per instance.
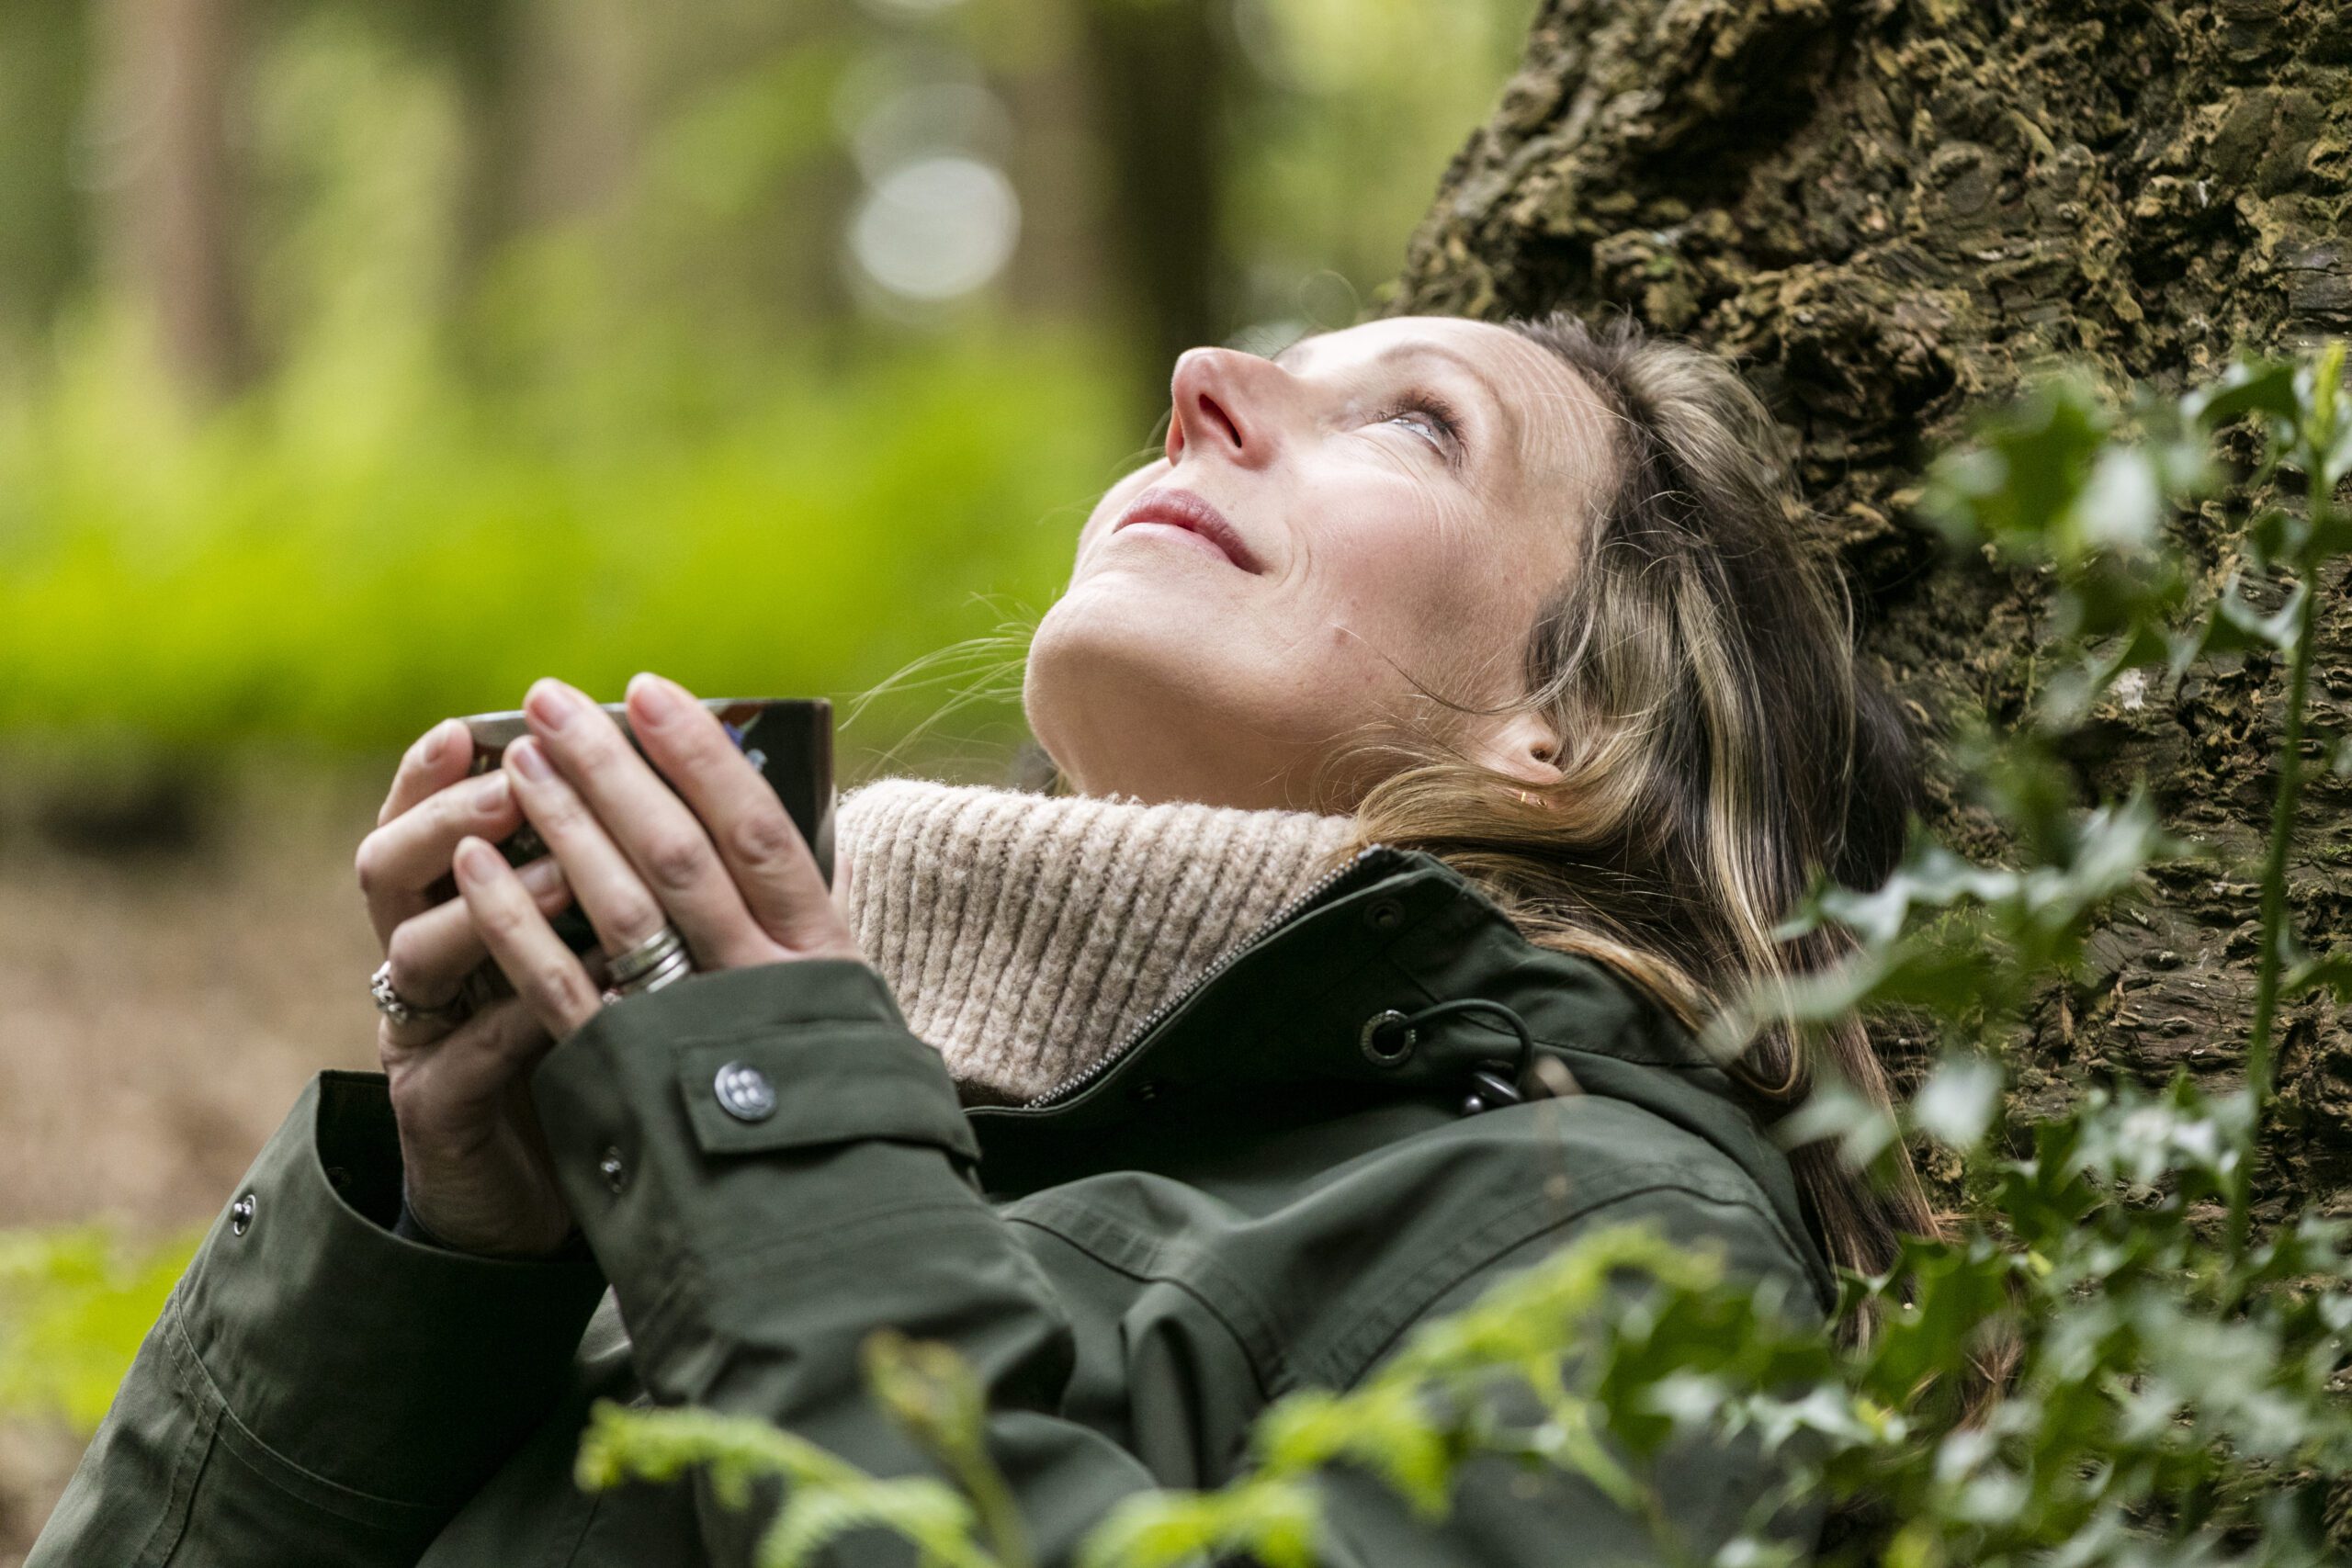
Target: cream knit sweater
pixel 1024 935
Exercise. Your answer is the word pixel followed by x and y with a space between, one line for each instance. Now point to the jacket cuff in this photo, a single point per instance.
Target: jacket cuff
pixel 396 1370
pixel 671 1114
pixel 408 1228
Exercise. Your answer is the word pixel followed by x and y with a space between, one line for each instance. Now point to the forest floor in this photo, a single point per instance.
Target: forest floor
pixel 159 1013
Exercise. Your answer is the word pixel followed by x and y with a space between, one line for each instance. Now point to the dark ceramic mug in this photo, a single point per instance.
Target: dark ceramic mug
pixel 789 739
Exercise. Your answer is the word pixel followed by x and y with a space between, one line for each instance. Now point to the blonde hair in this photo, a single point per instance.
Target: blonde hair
pixel 1717 746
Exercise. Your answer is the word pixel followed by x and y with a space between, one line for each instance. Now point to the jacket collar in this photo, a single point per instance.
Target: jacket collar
pixel 1395 930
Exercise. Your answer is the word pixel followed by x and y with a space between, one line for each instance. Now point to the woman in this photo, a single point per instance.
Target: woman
pixel 1439 727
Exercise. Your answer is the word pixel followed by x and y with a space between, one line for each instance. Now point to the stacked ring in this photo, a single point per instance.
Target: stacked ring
pixel 400 1010
pixel 660 960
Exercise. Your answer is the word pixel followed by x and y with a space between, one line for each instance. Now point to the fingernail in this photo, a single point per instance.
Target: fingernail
pixel 474 859
pixel 497 794
pixel 551 703
pixel 654 696
pixel 529 760
pixel 437 739
pixel 541 876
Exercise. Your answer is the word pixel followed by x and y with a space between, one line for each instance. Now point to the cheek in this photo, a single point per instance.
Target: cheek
pixel 1406 574
pixel 1418 603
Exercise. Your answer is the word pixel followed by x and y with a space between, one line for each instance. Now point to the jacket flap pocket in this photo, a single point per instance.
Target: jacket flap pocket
pixel 831 1082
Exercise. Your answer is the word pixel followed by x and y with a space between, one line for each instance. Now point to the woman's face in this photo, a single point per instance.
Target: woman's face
pixel 1397 500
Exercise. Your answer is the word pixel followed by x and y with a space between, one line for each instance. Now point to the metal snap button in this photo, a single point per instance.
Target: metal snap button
pixel 1384 914
pixel 1388 1038
pixel 240 1214
pixel 744 1093
pixel 613 1170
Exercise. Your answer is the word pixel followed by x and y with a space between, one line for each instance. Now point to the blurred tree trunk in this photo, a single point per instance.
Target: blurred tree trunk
pixel 481 40
pixel 171 90
pixel 1059 167
pixel 544 102
pixel 1159 70
pixel 44 243
pixel 1889 211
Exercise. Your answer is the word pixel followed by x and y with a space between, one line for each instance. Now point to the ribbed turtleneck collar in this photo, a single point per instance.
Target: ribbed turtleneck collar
pixel 1024 935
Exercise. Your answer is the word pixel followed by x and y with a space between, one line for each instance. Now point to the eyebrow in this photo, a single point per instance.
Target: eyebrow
pixel 1422 348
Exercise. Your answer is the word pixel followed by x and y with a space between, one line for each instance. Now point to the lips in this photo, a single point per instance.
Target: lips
pixel 1183 508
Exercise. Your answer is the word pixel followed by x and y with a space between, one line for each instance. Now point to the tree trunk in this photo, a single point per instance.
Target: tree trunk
pixel 1160 79
pixel 44 242
pixel 174 183
pixel 1890 212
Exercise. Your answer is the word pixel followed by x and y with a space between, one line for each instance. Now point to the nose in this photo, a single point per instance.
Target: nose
pixel 1222 405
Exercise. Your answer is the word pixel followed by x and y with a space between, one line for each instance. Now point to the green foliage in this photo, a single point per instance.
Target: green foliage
pixel 2172 1397
pixel 634 419
pixel 826 1497
pixel 428 545
pixel 74 1305
pixel 2166 1382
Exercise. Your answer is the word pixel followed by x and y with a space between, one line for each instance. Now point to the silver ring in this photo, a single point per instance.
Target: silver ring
pixel 676 968
pixel 400 1010
pixel 630 967
pixel 660 960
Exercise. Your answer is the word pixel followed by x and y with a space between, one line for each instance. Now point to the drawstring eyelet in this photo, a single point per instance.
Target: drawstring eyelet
pixel 1390 1036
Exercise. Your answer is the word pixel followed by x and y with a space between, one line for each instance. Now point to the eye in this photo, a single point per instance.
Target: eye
pixel 1440 425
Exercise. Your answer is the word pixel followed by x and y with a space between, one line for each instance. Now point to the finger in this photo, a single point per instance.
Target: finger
pixel 673 854
pixel 547 979
pixel 774 872
pixel 399 861
pixel 619 906
pixel 438 759
pixel 432 954
pixel 478 1061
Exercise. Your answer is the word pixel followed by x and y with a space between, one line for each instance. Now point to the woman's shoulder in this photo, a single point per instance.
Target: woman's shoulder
pixel 1330 1243
pixel 1563 1165
pixel 1425 1224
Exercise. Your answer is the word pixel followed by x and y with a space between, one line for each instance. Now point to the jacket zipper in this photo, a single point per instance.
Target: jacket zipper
pixel 1071 1087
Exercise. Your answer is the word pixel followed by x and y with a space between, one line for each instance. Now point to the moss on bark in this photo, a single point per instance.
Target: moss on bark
pixel 1890 212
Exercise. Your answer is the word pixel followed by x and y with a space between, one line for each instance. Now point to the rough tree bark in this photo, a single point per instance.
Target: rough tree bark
pixel 1891 212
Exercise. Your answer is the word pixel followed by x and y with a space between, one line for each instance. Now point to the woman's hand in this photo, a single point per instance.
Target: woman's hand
pixel 476 1166
pixel 712 852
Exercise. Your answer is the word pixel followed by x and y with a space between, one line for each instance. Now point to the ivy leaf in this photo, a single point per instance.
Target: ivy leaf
pixel 1863 1128
pixel 2264 386
pixel 2273 534
pixel 2121 505
pixel 2019 486
pixel 2236 625
pixel 2331 973
pixel 1958 1101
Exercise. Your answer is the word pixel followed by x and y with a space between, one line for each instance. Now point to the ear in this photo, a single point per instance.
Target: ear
pixel 1525 746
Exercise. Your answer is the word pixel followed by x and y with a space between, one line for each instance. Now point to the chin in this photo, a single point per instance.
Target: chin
pixel 1129 704
pixel 1115 630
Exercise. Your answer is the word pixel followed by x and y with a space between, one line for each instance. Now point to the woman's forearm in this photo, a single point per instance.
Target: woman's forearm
pixel 319 1390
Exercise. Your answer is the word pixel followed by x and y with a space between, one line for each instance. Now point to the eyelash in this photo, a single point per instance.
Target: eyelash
pixel 1441 414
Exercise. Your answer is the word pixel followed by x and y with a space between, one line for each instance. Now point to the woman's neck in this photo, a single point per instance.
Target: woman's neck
pixel 1024 935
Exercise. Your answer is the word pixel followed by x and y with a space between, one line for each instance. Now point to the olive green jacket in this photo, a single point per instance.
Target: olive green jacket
pixel 1241 1200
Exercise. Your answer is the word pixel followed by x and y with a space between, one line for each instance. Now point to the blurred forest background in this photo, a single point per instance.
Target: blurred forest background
pixel 359 363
